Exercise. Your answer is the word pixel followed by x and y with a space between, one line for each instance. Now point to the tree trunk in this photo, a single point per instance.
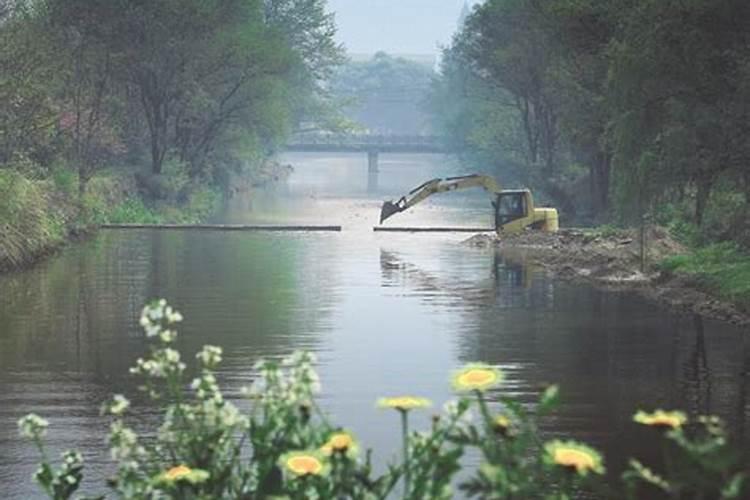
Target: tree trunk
pixel 702 195
pixel 83 179
pixel 603 169
pixel 156 158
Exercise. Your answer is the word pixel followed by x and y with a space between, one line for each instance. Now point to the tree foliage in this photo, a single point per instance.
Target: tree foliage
pixel 385 93
pixel 628 104
pixel 210 84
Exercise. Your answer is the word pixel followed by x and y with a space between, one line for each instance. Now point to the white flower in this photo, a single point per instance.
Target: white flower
pixel 124 442
pixel 171 315
pixel 171 356
pixel 33 426
pixel 167 336
pixel 72 458
pixel 152 330
pixel 210 356
pixel 119 405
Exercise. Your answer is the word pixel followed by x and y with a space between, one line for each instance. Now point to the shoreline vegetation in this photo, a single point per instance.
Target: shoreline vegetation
pixel 149 111
pixel 42 216
pixel 280 444
pixel 622 114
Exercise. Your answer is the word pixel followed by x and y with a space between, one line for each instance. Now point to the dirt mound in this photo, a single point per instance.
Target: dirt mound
pixel 616 259
pixel 609 257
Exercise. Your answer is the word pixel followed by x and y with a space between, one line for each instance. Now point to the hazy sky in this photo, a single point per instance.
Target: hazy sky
pixel 396 26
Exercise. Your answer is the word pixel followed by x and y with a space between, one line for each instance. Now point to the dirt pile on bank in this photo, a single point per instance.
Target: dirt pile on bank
pixel 613 260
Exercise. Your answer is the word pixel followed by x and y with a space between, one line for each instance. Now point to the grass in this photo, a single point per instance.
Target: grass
pixel 132 211
pixel 722 267
pixel 30 225
pixel 37 216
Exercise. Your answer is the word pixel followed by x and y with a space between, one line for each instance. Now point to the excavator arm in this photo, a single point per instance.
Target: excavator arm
pixel 424 191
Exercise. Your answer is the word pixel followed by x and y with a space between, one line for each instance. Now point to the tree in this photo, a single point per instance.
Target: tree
pixel 309 30
pixel 89 92
pixel 506 49
pixel 676 78
pixel 581 31
pixel 385 94
pixel 29 68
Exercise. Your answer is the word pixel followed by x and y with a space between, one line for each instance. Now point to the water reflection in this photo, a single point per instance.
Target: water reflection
pixel 386 313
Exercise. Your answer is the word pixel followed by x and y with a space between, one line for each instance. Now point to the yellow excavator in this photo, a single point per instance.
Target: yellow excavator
pixel 514 208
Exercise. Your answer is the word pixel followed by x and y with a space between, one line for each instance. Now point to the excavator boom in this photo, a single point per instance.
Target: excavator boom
pixel 514 209
pixel 434 186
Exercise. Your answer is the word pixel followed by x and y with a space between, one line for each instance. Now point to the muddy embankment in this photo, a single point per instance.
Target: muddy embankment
pixel 617 262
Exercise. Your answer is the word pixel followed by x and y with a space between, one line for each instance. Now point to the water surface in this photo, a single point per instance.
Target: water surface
pixel 386 314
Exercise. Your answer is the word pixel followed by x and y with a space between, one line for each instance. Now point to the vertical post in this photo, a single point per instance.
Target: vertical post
pixel 372 171
pixel 643 241
pixel 372 162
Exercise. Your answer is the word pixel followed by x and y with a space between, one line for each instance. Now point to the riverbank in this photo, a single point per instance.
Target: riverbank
pixel 612 260
pixel 38 217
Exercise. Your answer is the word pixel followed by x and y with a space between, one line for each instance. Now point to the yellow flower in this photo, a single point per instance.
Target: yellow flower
pixel 476 377
pixel 502 424
pixel 182 473
pixel 574 456
pixel 404 403
pixel 661 419
pixel 304 463
pixel 340 442
pixel 177 473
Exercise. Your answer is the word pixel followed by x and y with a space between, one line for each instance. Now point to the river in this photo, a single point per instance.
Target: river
pixel 386 314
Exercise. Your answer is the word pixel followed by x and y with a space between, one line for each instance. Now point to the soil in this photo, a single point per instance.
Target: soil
pixel 613 261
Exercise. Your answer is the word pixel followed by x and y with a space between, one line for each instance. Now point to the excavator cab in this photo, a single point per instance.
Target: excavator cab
pixel 515 211
pixel 510 206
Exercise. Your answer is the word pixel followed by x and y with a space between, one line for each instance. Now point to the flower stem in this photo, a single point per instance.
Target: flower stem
pixel 407 467
pixel 484 409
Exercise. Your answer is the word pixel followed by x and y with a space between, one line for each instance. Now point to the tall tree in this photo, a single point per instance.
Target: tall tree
pixel 676 77
pixel 29 67
pixel 89 90
pixel 309 30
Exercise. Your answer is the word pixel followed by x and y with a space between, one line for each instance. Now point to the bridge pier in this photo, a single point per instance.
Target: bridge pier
pixel 372 162
pixel 372 171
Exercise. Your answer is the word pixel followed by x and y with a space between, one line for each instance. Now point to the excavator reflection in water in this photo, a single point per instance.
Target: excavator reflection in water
pixel 514 209
pixel 507 284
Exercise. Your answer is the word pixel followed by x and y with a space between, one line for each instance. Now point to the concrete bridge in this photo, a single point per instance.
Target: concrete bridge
pixel 371 144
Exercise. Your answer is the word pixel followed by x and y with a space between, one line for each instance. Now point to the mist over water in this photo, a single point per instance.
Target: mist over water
pixel 386 313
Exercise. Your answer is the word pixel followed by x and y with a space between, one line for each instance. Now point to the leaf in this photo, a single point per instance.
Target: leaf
pixel 549 400
pixel 735 486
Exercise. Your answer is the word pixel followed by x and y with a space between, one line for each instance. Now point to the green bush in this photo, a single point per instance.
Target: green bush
pixel 66 181
pixel 176 180
pixel 285 446
pixel 30 226
pixel 132 211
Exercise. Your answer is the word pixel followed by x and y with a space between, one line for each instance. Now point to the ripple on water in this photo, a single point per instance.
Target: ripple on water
pixel 386 313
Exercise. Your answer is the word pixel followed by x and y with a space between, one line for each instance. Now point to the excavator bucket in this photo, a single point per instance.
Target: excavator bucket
pixel 389 208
